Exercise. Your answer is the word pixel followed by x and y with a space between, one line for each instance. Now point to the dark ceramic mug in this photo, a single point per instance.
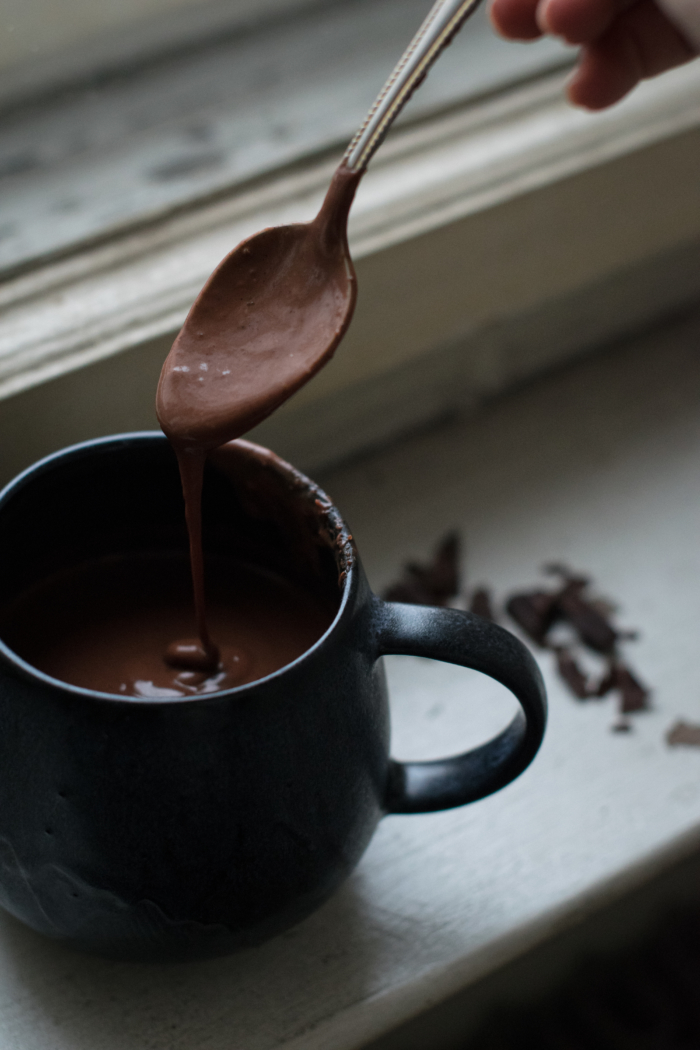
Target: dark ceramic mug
pixel 188 827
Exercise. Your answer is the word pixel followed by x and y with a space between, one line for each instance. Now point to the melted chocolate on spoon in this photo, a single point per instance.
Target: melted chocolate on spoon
pixel 269 317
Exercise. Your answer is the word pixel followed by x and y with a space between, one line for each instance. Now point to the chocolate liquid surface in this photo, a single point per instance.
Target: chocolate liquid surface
pixel 108 624
pixel 269 317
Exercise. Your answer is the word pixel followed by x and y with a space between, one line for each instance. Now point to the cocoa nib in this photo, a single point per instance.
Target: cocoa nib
pixel 480 604
pixel 683 734
pixel 433 583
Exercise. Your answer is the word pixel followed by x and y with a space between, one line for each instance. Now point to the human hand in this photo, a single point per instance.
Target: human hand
pixel 622 41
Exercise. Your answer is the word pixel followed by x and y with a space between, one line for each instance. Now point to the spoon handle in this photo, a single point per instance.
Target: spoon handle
pixel 445 18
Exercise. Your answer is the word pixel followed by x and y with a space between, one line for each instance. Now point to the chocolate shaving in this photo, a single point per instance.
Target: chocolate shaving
pixel 534 612
pixel 592 628
pixel 585 616
pixel 537 612
pixel 443 575
pixel 410 591
pixel 480 604
pixel 434 583
pixel 603 606
pixel 606 683
pixel 572 674
pixel 683 734
pixel 633 695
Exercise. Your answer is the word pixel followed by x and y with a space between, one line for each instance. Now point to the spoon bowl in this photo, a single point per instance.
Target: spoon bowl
pixel 268 318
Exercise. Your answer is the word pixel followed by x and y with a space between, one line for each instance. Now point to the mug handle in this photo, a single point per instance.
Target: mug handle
pixel 470 641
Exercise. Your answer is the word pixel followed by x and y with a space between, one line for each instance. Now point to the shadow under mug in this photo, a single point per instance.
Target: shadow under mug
pixel 180 828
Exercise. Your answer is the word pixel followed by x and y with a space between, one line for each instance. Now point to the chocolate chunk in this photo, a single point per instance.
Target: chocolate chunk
pixel 534 612
pixel 410 591
pixel 557 568
pixel 588 617
pixel 607 682
pixel 633 695
pixel 480 604
pixel 683 734
pixel 431 584
pixel 572 674
pixel 442 575
pixel 592 627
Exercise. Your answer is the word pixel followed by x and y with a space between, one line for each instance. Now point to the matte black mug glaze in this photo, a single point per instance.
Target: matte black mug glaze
pixel 181 828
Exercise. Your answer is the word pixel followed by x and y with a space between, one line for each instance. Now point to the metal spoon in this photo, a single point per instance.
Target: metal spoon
pixel 273 312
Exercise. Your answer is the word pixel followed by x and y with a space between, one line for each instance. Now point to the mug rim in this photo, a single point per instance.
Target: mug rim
pixel 79 449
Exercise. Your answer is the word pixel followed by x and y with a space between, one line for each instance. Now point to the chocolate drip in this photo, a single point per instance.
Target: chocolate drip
pixel 201 655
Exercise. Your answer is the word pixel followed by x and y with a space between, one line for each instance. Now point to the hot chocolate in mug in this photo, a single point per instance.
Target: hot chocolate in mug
pixel 168 825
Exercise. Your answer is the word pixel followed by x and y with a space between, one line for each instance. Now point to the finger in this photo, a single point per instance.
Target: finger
pixel 641 43
pixel 606 73
pixel 515 19
pixel 579 21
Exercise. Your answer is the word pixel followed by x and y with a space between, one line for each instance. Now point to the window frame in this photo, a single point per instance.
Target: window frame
pixel 497 170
